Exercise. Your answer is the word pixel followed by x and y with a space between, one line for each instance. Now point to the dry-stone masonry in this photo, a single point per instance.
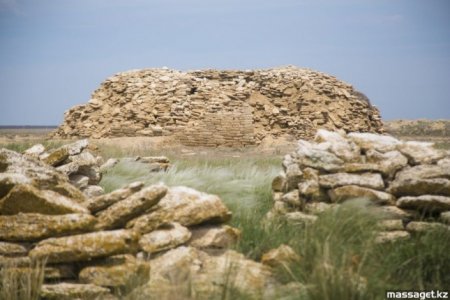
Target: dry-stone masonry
pixel 154 241
pixel 213 107
pixel 408 182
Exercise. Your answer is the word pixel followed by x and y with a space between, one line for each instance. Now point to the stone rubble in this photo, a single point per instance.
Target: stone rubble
pixel 214 107
pixel 126 241
pixel 407 183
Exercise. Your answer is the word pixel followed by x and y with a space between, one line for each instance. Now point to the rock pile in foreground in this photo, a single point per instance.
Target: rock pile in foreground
pixel 154 240
pixel 408 182
pixel 75 161
pixel 214 107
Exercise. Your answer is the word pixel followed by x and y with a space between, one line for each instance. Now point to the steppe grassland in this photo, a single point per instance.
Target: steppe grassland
pixel 339 259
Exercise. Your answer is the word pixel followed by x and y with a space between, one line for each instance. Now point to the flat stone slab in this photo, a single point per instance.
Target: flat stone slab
pixel 118 214
pixel 420 227
pixel 12 249
pixel 430 203
pixel 185 206
pixel 418 187
pixel 35 227
pixel 218 237
pixel 84 247
pixel 99 203
pixel 117 271
pixel 68 291
pixel 166 237
pixel 381 143
pixel 392 236
pixel 25 198
pixel 369 180
pixel 349 192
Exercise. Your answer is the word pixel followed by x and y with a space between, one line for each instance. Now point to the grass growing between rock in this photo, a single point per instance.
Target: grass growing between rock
pixel 339 258
pixel 21 283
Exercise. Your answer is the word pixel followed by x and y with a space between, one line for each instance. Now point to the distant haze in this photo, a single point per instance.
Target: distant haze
pixel 54 53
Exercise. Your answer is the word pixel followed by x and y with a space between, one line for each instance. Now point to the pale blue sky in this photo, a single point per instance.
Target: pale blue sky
pixel 54 53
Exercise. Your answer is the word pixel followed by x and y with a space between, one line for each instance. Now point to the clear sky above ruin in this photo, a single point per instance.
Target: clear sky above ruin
pixel 54 53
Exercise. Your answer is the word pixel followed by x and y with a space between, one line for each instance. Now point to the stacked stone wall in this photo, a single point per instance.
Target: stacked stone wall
pixel 272 102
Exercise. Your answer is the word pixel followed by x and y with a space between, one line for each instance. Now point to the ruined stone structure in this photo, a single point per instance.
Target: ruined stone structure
pixel 212 107
pixel 408 183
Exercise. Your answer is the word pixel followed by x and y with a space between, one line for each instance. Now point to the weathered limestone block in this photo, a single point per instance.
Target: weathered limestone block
pixel 317 156
pixel 392 236
pixel 68 190
pixel 348 192
pixel 35 150
pixel 368 141
pixel 418 187
pixel 121 271
pixel 279 183
pixel 34 227
pixel 28 199
pixel 388 163
pixel 429 203
pixel 316 208
pixel 293 176
pixel 281 256
pixel 68 291
pixel 299 217
pixel 339 145
pixel 101 202
pixel 293 198
pixel 167 236
pixel 369 180
pixel 207 274
pixel 420 152
pixel 185 206
pixel 118 214
pixel 56 157
pixel 41 175
pixel 9 180
pixel 420 227
pixel 424 172
pixel 393 212
pixel 92 172
pixel 12 249
pixel 84 247
pixel 391 225
pixel 222 236
pixel 80 181
pixel 93 191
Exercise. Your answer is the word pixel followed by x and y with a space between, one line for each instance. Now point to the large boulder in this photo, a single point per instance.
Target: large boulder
pixel 180 270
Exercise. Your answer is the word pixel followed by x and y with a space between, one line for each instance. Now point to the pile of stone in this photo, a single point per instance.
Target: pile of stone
pixel 408 182
pixel 213 107
pixel 76 161
pixel 155 240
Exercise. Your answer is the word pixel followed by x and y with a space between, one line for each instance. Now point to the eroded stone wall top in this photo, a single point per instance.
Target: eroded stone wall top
pixel 253 103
